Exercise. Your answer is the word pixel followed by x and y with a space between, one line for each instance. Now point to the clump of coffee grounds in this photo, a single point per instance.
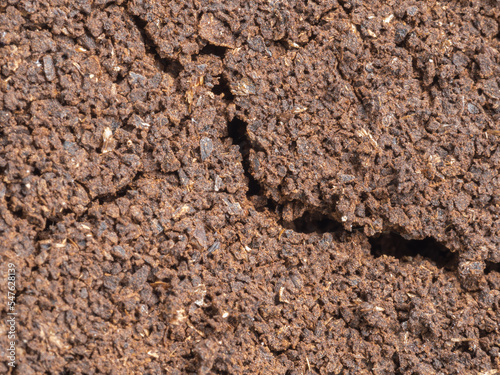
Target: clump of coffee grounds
pixel 265 187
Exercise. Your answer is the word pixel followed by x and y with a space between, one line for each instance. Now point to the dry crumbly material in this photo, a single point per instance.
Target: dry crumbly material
pixel 159 159
pixel 386 119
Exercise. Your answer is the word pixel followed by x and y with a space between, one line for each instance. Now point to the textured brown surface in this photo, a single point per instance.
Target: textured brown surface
pixel 379 131
pixel 265 187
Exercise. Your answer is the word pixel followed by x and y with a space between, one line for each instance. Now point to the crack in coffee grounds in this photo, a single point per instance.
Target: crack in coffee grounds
pixel 237 130
pixel 260 186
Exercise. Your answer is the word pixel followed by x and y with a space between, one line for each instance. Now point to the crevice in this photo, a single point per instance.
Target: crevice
pixel 212 49
pixel 492 267
pixel 314 223
pixel 237 130
pixel 309 222
pixel 49 223
pixel 393 244
pixel 171 66
pixel 389 243
pixel 167 65
pixel 222 87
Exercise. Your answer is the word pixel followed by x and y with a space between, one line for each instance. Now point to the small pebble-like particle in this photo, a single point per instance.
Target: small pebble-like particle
pixel 107 140
pixel 48 68
pixel 206 148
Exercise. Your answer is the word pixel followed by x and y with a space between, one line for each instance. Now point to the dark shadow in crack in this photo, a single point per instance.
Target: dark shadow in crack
pixel 223 88
pixel 390 243
pixel 237 130
pixel 171 66
pixel 314 223
pixel 393 244
pixel 211 49
pixel 492 267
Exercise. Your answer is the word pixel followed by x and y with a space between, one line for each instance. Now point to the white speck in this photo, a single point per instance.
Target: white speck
pixel 431 60
pixel 344 219
pixel 299 109
pixel 217 183
pixel 200 302
pixel 107 133
pixel 225 315
pixel 388 18
pixel 153 354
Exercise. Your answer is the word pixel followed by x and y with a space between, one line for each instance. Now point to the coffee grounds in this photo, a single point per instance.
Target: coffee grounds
pixel 251 187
